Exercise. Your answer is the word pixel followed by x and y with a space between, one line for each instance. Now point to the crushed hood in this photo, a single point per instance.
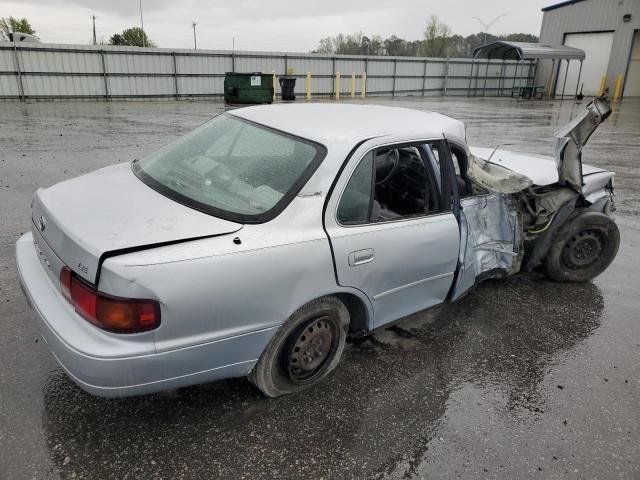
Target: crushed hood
pixel 111 210
pixel 489 166
pixel 493 176
pixel 540 169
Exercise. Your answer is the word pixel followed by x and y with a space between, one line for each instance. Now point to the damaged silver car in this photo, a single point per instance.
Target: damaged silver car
pixel 257 243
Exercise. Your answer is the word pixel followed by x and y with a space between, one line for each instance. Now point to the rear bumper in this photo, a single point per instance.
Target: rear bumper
pixel 112 365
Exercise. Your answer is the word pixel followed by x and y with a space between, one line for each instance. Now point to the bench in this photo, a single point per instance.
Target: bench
pixel 528 92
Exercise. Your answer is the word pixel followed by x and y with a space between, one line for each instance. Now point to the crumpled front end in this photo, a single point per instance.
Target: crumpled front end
pixel 538 201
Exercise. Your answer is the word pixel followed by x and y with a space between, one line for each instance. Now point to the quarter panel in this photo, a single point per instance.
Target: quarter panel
pixel 215 288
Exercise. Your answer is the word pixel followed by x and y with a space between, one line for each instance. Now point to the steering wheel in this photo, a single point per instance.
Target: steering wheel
pixel 393 157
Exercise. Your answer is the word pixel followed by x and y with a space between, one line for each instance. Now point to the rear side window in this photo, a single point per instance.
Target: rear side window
pixel 356 198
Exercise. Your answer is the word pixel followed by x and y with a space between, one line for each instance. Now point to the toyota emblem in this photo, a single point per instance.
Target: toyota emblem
pixel 42 224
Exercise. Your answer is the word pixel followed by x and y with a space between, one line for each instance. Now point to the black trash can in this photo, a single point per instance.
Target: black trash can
pixel 287 85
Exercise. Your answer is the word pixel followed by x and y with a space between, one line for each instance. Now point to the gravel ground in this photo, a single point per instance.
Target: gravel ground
pixel 522 378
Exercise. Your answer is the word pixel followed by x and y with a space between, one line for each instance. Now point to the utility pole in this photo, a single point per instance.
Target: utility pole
pixel 487 26
pixel 142 23
pixel 195 44
pixel 93 17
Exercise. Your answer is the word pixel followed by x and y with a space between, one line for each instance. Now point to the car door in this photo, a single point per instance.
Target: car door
pixel 391 234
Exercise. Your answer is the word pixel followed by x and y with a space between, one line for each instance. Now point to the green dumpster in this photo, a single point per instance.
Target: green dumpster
pixel 248 87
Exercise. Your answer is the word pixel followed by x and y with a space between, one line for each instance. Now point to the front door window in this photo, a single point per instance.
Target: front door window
pixel 390 183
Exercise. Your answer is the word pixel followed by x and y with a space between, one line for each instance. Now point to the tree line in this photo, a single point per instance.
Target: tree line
pixel 437 42
pixel 134 36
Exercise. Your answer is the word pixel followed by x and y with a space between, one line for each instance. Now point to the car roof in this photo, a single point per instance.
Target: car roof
pixel 332 124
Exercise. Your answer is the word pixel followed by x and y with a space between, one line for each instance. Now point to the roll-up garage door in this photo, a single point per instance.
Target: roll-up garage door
pixel 597 48
pixel 632 84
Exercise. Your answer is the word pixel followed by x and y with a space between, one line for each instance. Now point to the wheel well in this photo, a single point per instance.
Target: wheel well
pixel 359 323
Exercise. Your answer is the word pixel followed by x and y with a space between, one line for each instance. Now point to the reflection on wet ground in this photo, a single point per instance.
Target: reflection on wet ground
pixel 521 378
pixel 379 410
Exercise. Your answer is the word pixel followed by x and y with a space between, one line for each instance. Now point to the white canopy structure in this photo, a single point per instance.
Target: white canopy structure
pixel 504 50
pixel 524 52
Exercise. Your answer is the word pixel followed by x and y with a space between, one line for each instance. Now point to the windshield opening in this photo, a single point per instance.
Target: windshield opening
pixel 232 168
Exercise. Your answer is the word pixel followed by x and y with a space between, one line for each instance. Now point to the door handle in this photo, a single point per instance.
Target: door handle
pixel 360 257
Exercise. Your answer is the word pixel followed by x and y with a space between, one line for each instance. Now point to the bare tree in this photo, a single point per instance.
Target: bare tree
pixel 325 46
pixel 437 37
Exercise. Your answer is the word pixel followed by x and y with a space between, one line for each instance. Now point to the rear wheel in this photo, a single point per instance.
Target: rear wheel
pixel 583 248
pixel 306 348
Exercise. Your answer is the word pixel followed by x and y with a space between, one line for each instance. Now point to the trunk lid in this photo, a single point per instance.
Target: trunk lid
pixel 87 218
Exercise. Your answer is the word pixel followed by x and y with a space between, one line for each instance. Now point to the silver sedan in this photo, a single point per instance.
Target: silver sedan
pixel 257 243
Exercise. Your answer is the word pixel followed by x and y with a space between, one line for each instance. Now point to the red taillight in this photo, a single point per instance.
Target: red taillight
pixel 65 282
pixel 115 314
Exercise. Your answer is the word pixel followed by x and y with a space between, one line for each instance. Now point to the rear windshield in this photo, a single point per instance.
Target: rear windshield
pixel 232 168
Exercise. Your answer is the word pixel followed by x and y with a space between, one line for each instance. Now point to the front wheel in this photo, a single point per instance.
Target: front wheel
pixel 583 248
pixel 304 350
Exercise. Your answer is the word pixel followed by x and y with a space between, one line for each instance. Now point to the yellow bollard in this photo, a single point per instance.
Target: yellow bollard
pixel 618 89
pixel 550 87
pixel 337 86
pixel 273 72
pixel 603 85
pixel 363 84
pixel 308 86
pixel 353 84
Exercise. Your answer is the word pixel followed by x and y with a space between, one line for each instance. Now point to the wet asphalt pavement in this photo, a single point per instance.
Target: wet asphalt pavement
pixel 523 378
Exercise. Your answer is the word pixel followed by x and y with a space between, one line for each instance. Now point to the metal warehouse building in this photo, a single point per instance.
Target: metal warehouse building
pixel 609 33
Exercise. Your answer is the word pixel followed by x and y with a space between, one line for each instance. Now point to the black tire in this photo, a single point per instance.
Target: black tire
pixel 583 248
pixel 306 348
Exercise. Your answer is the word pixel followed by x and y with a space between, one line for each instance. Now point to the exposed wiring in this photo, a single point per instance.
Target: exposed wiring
pixel 545 227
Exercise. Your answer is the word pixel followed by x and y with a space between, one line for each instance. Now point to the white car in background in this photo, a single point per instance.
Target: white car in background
pixel 21 37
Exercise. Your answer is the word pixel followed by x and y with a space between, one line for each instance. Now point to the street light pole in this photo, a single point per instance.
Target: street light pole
pixel 195 45
pixel 487 26
pixel 93 17
pixel 142 23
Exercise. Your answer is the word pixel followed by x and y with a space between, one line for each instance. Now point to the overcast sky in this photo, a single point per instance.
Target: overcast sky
pixel 284 25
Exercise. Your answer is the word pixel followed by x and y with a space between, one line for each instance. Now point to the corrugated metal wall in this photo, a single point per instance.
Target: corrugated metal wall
pixel 592 16
pixel 44 71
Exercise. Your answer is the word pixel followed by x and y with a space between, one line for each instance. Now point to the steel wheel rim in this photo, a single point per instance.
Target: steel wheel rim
pixel 583 249
pixel 311 349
